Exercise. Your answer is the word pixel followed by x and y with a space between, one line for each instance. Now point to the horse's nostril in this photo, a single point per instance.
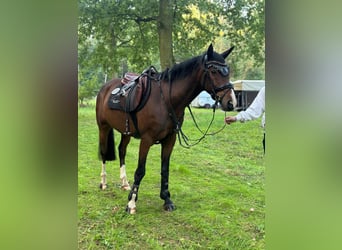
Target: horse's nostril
pixel 230 106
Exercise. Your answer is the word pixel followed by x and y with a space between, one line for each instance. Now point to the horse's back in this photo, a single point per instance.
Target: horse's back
pixel 103 95
pixel 152 121
pixel 105 89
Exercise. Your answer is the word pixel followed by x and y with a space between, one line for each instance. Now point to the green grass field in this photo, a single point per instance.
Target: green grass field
pixel 218 187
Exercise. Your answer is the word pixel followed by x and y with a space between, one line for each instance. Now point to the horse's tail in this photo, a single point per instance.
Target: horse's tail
pixel 109 155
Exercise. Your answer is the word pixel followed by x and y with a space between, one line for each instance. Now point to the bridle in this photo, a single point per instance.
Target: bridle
pixel 223 70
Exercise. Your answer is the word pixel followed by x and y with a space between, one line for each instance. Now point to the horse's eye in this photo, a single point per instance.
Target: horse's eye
pixel 224 71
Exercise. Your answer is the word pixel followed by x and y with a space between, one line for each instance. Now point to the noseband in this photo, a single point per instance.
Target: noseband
pixel 223 69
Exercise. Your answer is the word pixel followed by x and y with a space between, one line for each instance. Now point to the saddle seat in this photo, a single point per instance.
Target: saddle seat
pixel 129 78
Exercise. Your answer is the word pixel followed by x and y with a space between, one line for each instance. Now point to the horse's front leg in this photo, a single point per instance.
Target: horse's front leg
pixel 167 146
pixel 122 154
pixel 138 176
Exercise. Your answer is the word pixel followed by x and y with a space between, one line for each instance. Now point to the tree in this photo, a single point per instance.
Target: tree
pixel 88 84
pixel 141 33
pixel 119 31
pixel 247 19
pixel 165 21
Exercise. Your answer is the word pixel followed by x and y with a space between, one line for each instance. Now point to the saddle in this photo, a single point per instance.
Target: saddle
pixel 133 93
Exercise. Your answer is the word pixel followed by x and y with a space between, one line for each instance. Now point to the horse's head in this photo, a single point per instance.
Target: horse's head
pixel 215 79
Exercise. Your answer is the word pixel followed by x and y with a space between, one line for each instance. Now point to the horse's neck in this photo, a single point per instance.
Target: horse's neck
pixel 184 91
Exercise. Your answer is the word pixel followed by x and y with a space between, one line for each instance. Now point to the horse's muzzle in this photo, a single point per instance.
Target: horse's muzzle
pixel 229 106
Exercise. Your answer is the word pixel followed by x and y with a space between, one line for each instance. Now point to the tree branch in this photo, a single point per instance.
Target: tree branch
pixel 139 19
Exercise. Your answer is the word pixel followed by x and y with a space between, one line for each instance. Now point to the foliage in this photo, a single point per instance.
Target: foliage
pixel 120 30
pixel 248 34
pixel 122 33
pixel 218 187
pixel 88 85
pixel 90 78
pixel 247 21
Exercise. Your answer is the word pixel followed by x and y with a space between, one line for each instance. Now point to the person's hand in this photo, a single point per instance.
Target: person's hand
pixel 230 119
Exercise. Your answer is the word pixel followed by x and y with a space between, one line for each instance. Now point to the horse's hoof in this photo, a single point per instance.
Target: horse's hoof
pixel 169 207
pixel 126 187
pixel 131 210
pixel 103 186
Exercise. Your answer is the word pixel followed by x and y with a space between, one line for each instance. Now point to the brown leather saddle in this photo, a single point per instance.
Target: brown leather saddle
pixel 133 93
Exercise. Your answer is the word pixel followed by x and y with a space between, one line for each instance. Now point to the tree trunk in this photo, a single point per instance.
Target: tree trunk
pixel 165 33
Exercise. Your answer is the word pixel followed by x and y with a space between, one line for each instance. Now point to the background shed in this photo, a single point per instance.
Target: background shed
pixel 246 91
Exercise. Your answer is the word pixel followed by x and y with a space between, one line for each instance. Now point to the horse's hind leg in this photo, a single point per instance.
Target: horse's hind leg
pixel 106 151
pixel 103 183
pixel 122 154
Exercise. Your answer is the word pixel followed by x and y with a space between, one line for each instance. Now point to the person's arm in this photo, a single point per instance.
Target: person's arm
pixel 254 111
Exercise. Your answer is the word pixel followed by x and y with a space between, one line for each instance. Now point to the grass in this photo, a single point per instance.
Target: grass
pixel 218 187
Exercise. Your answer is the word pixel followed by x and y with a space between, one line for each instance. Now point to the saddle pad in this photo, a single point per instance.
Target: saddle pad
pixel 133 98
pixel 114 102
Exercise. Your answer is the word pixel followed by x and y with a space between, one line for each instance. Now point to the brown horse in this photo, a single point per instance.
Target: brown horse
pixel 159 120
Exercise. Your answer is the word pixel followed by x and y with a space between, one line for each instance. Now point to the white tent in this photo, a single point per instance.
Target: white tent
pixel 248 85
pixel 246 91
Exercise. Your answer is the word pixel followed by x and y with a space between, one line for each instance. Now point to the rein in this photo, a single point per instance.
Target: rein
pixel 204 134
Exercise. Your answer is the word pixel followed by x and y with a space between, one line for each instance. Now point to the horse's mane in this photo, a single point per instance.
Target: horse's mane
pixel 188 67
pixel 181 70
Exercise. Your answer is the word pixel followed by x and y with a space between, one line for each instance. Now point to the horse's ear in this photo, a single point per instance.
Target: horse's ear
pixel 226 53
pixel 210 51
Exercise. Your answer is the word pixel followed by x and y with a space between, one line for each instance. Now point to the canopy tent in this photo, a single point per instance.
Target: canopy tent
pixel 246 91
pixel 249 85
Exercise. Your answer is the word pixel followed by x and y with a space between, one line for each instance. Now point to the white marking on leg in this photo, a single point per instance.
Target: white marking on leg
pixel 103 177
pixel 131 205
pixel 124 182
